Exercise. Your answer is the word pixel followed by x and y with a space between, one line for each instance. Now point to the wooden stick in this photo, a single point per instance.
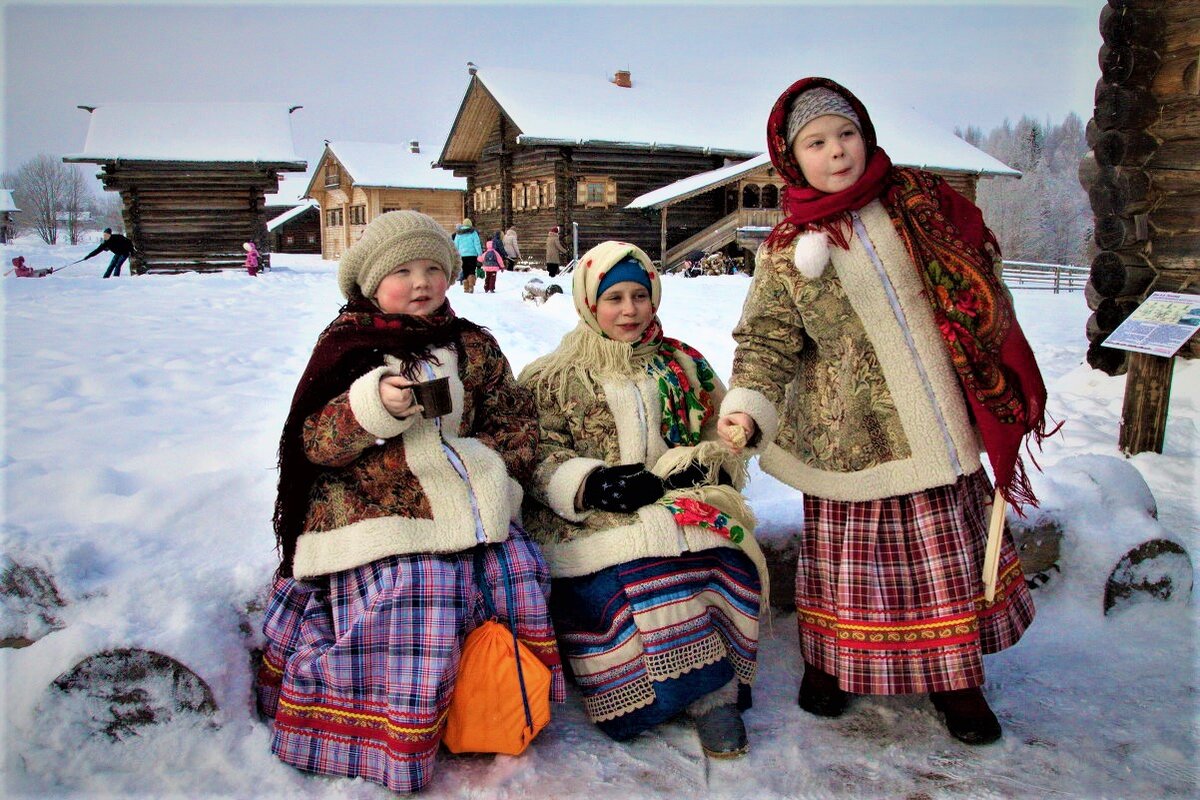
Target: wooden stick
pixel 991 554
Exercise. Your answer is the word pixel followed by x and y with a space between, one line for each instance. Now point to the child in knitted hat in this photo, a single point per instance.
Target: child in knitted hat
pixel 384 518
pixel 656 595
pixel 877 349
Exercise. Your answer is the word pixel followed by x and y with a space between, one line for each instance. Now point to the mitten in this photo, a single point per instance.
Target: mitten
pixel 624 488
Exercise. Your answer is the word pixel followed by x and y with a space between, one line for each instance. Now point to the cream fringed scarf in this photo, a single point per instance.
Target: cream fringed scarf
pixel 589 358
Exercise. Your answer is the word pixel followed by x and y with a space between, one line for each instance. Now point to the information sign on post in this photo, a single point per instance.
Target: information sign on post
pixel 1161 325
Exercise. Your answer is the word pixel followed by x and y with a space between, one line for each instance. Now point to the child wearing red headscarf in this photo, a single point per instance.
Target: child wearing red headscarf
pixel 877 351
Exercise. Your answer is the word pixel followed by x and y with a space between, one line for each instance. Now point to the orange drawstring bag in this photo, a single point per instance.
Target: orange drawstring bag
pixel 501 699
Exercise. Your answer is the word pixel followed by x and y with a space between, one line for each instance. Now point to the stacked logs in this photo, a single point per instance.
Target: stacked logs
pixel 1142 172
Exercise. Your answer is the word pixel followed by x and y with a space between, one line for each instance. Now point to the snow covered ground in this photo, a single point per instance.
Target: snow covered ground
pixel 140 425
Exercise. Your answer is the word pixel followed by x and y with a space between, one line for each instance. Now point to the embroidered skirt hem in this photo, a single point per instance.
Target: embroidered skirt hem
pixel 646 638
pixel 889 593
pixel 360 667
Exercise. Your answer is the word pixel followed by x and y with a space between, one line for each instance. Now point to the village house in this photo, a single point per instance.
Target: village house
pixel 193 177
pixel 644 161
pixel 7 208
pixel 355 182
pixel 293 221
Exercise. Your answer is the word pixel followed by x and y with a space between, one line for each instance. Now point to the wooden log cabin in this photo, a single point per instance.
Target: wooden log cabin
pixel 293 220
pixel 640 162
pixel 192 177
pixel 354 182
pixel 543 149
pixel 1143 180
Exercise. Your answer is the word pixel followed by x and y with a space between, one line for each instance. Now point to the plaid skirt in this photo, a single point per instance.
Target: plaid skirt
pixel 360 667
pixel 889 593
pixel 646 638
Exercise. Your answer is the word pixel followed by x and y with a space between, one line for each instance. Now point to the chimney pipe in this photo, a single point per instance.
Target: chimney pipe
pixel 621 78
pixel 414 146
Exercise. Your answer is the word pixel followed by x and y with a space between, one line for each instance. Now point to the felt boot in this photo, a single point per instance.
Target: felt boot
pixel 968 716
pixel 820 693
pixel 719 723
pixel 722 733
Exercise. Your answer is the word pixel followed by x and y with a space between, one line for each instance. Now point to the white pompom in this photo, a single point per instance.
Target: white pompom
pixel 812 253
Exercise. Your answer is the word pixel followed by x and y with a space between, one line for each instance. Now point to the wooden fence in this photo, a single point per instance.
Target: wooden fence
pixel 1055 277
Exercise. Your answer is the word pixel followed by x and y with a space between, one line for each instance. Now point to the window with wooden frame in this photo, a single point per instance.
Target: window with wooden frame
pixel 333 218
pixel 750 196
pixel 358 215
pixel 770 196
pixel 333 174
pixel 518 197
pixel 596 192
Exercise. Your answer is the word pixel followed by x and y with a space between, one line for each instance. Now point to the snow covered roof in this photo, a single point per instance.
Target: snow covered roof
pixel 908 138
pixel 234 132
pixel 696 184
pixel 392 166
pixel 292 187
pixel 291 214
pixel 555 107
pixel 562 108
pixel 6 201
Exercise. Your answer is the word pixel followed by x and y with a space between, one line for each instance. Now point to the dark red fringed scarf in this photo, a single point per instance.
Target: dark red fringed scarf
pixel 349 347
pixel 954 253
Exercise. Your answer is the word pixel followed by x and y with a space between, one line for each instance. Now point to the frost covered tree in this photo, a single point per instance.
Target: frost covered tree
pixel 77 199
pixel 49 192
pixel 1044 216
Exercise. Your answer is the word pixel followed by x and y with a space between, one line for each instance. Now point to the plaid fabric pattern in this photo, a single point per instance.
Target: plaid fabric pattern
pixel 359 674
pixel 889 594
pixel 629 628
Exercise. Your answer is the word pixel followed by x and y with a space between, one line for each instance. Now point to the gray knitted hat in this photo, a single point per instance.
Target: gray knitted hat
pixel 392 239
pixel 815 103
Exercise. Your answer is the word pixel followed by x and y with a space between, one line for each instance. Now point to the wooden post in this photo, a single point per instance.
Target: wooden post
pixel 1144 411
pixel 662 240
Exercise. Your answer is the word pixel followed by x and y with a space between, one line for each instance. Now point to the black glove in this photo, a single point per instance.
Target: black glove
pixel 623 489
pixel 695 475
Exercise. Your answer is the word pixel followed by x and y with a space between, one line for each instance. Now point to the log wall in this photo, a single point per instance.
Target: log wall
pixel 192 216
pixel 1143 180
pixel 1143 172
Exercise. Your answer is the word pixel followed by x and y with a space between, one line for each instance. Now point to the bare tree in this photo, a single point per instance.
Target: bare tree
pixel 77 199
pixel 41 188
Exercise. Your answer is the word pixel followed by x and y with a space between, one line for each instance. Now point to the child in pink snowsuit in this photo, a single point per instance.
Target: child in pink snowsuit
pixel 251 258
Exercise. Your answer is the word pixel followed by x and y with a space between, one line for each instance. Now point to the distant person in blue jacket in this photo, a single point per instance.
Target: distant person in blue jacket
pixel 466 240
pixel 119 246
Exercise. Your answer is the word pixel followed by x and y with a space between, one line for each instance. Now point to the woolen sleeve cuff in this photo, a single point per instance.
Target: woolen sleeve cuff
pixel 565 484
pixel 748 401
pixel 369 410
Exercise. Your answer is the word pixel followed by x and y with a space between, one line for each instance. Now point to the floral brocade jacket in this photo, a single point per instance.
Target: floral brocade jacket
pixel 842 366
pixel 617 424
pixel 415 485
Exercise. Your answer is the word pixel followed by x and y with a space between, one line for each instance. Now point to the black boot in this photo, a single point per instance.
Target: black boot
pixel 820 694
pixel 968 716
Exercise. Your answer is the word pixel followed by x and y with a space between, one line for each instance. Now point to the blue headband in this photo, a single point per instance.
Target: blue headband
pixel 627 269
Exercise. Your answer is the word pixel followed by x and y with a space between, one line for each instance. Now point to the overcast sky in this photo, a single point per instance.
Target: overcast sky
pixel 389 72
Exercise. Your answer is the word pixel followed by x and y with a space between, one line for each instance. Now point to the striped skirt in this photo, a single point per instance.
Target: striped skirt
pixel 889 594
pixel 646 638
pixel 359 668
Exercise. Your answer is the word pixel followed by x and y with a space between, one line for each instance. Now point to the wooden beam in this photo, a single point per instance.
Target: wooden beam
pixel 1144 411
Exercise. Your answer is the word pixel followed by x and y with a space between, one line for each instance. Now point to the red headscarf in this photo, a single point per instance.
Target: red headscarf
pixel 954 253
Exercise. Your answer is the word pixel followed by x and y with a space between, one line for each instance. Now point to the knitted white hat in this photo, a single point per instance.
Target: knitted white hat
pixel 392 239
